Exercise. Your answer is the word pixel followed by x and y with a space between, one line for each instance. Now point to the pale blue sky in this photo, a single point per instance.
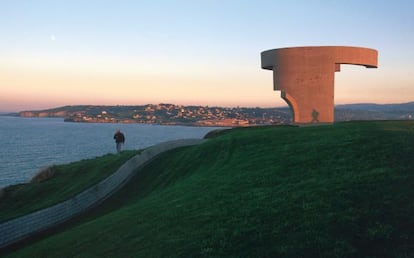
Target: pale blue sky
pixel 204 52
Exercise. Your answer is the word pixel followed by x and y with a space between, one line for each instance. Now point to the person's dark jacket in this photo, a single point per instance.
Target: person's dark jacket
pixel 119 137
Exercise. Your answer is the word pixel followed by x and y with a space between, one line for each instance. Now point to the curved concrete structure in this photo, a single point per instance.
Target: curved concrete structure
pixel 305 77
pixel 20 228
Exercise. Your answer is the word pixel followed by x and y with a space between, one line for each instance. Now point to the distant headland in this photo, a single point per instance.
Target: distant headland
pixel 171 114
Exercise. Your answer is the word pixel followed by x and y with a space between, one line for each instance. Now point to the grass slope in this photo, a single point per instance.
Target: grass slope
pixel 331 191
pixel 69 180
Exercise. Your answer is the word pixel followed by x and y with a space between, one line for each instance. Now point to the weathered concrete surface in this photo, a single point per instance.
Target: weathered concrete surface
pixel 305 76
pixel 20 228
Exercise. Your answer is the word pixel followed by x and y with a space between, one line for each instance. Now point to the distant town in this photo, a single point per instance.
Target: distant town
pixel 170 114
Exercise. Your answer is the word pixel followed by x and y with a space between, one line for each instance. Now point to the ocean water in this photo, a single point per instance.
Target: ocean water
pixel 29 144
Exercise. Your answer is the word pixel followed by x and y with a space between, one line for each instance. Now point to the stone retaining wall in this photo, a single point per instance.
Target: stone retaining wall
pixel 20 228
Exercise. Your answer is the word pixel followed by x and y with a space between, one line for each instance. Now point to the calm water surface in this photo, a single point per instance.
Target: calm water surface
pixel 29 144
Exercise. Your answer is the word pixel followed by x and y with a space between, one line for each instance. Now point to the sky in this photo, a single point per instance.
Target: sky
pixel 192 52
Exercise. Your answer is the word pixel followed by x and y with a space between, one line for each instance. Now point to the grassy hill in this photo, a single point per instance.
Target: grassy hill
pixel 67 181
pixel 345 190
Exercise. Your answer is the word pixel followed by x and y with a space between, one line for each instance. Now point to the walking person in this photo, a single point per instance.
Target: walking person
pixel 119 139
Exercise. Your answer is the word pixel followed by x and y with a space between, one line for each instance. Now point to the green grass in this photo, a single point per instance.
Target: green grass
pixel 69 180
pixel 345 190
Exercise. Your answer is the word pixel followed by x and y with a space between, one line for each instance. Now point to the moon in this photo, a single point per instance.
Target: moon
pixel 52 37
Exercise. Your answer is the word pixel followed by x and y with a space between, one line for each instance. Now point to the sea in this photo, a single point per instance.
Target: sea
pixel 30 144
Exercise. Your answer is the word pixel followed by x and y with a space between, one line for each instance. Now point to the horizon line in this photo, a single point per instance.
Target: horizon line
pixel 201 105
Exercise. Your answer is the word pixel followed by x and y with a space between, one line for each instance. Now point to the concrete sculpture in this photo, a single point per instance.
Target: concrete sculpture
pixel 305 77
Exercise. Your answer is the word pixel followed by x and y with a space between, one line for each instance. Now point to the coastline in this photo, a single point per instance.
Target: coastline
pixel 29 144
pixel 203 123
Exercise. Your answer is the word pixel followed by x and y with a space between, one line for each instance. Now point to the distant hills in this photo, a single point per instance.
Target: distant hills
pixel 214 116
pixel 371 111
pixel 409 107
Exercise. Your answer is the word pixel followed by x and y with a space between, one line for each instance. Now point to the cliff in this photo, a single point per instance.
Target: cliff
pixel 62 113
